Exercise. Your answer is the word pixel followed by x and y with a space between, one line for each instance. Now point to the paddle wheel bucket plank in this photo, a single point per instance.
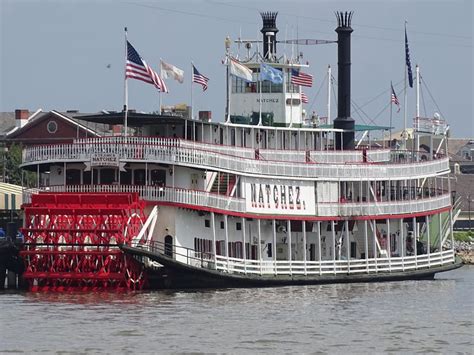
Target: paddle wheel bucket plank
pixel 71 241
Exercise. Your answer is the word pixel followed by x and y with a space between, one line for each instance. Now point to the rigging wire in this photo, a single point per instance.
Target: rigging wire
pixel 423 101
pixel 381 94
pixel 317 93
pixel 333 91
pixel 354 23
pixel 359 108
pixel 432 98
pixel 226 19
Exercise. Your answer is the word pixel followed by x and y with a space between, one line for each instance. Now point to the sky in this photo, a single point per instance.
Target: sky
pixel 69 55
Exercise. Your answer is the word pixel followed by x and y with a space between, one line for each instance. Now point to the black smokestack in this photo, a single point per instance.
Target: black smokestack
pixel 269 31
pixel 344 120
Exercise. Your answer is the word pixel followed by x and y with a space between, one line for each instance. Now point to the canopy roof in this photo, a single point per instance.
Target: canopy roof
pixel 134 119
pixel 360 127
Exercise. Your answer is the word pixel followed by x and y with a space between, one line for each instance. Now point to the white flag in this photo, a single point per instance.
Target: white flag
pixel 240 70
pixel 170 71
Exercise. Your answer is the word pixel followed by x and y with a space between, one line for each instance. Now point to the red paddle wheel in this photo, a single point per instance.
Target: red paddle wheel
pixel 71 241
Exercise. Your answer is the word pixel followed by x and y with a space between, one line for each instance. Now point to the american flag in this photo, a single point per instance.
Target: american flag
pixel 394 99
pixel 304 98
pixel 136 68
pixel 200 79
pixel 300 78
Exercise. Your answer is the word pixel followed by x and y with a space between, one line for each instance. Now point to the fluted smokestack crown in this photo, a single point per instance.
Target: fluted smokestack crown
pixel 344 120
pixel 269 31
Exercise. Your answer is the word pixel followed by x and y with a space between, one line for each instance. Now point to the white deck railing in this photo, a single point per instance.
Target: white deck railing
pixel 319 156
pixel 333 267
pixel 383 208
pixel 205 159
pixel 198 198
pixel 300 267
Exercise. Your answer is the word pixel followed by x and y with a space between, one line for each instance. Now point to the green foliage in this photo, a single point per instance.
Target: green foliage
pixel 463 236
pixel 11 170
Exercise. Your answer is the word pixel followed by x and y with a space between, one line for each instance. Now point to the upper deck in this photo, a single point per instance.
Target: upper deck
pixel 305 163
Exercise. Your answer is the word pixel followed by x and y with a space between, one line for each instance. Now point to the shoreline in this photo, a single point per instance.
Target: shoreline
pixel 467 257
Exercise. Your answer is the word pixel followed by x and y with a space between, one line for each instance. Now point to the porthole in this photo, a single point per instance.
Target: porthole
pixel 52 127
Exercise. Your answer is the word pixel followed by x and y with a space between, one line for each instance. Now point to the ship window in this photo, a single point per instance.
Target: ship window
pixel 222 224
pixel 207 223
pixel 238 226
pixel 291 87
pixel 293 102
pixel 238 85
pixel 269 87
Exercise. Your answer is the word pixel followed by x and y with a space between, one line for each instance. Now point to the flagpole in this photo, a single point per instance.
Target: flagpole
pixel 260 95
pixel 227 44
pixel 417 140
pixel 417 91
pixel 125 98
pixel 405 133
pixel 291 102
pixel 161 76
pixel 192 101
pixel 391 107
pixel 329 94
pixel 229 82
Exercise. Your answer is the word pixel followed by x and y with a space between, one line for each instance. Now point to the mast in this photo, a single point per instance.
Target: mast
pixel 192 80
pixel 227 43
pixel 125 94
pixel 329 93
pixel 391 107
pixel 417 91
pixel 417 134
pixel 161 76
pixel 405 133
pixel 260 96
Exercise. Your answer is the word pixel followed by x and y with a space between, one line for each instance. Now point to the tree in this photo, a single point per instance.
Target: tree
pixel 12 171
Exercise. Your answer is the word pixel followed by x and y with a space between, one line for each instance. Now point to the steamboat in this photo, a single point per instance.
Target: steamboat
pixel 263 198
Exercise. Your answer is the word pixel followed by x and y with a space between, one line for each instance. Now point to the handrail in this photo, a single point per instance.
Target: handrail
pixel 200 198
pixel 172 154
pixel 234 265
pixel 295 155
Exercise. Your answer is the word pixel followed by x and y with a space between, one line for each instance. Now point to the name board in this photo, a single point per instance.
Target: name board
pixel 105 159
pixel 270 100
pixel 286 197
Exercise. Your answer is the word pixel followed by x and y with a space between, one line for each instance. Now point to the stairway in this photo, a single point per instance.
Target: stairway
pixel 223 184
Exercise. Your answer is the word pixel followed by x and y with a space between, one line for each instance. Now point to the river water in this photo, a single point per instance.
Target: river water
pixel 398 317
